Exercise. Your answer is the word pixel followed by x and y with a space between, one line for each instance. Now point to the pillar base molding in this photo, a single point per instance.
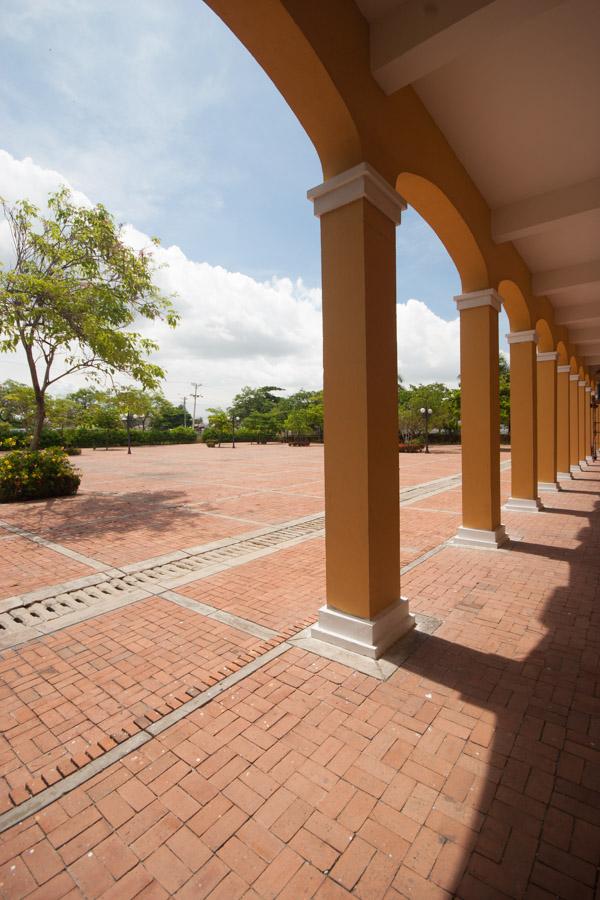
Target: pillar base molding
pixel 582 465
pixel 548 486
pixel 522 504
pixel 369 637
pixel 564 476
pixel 479 538
pixel 575 469
pixel 589 459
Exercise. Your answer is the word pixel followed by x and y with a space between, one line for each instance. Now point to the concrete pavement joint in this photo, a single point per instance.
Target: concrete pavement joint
pixel 40 801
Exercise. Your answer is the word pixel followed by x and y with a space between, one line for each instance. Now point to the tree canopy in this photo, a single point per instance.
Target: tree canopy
pixel 74 294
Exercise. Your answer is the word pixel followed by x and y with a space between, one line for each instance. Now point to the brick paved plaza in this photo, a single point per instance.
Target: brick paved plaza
pixel 164 730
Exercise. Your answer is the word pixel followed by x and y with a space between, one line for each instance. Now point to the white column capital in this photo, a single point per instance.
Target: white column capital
pixel 574 378
pixel 581 384
pixel 588 390
pixel 487 297
pixel 562 370
pixel 522 337
pixel 353 184
pixel 550 356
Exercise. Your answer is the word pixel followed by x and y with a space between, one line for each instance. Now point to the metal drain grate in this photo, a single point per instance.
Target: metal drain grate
pixel 35 614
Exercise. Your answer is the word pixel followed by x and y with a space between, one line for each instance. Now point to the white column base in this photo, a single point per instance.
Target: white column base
pixel 564 476
pixel 548 486
pixel 582 464
pixel 520 504
pixel 369 637
pixel 479 539
pixel 589 459
pixel 575 469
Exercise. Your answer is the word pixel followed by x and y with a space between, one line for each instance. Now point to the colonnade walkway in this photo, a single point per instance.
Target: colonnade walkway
pixel 167 730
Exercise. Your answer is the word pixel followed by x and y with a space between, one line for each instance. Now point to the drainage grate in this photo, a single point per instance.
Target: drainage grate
pixel 35 614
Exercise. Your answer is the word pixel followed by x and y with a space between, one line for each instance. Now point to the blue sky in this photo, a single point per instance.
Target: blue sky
pixel 155 109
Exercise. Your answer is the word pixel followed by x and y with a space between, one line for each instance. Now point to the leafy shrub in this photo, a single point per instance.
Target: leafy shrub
pixel 410 447
pixel 36 474
pixel 115 437
pixel 12 440
pixel 242 436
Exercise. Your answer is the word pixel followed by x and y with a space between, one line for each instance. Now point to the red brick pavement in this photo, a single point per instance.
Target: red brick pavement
pixel 472 772
pixel 25 566
pixel 162 499
pixel 70 696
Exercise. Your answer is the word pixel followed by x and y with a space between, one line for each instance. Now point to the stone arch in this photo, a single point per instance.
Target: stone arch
pixel 277 43
pixel 516 307
pixel 545 338
pixel 456 236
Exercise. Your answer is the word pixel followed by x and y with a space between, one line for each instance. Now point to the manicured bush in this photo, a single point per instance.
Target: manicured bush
pixel 115 437
pixel 37 474
pixel 410 447
pixel 242 436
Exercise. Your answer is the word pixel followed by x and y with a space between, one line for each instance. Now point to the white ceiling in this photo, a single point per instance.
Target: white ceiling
pixel 514 85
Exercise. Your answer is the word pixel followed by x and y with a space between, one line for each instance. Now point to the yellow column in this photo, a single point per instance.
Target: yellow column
pixel 588 424
pixel 574 423
pixel 581 433
pixel 523 422
pixel 364 612
pixel 546 421
pixel 480 418
pixel 563 464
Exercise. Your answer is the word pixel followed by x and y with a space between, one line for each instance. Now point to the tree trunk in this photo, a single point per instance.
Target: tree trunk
pixel 40 416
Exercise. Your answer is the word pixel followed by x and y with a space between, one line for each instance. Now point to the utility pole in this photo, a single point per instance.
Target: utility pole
pixel 195 385
pixel 184 413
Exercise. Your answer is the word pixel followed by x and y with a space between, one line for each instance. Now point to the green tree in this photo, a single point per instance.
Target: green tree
pixel 298 421
pixel 165 414
pixel 262 425
pixel 132 402
pixel 249 400
pixel 220 420
pixel 504 391
pixel 75 292
pixel 17 404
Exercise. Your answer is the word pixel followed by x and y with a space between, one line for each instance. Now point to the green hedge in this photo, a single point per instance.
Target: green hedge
pixel 36 475
pixel 115 437
pixel 242 436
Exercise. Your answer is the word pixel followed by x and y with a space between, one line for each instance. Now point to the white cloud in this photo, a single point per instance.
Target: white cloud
pixel 236 330
pixel 428 346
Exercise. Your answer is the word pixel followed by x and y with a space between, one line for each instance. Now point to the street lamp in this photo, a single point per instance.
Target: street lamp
pixel 426 412
pixel 234 420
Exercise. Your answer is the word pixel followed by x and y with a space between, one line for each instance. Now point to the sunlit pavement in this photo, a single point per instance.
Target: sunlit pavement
pixel 161 735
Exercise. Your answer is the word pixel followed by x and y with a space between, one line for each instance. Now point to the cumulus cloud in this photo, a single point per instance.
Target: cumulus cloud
pixel 428 346
pixel 237 330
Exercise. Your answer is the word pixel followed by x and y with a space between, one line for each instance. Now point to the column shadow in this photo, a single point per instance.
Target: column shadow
pixel 525 819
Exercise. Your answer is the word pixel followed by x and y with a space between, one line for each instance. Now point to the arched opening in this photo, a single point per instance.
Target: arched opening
pixel 438 211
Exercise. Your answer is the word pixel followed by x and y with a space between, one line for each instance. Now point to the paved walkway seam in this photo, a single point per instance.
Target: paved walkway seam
pixel 38 802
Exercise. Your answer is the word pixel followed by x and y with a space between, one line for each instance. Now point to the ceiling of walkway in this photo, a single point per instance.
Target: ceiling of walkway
pixel 515 87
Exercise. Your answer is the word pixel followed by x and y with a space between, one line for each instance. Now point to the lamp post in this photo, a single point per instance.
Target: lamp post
pixel 234 419
pixel 426 412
